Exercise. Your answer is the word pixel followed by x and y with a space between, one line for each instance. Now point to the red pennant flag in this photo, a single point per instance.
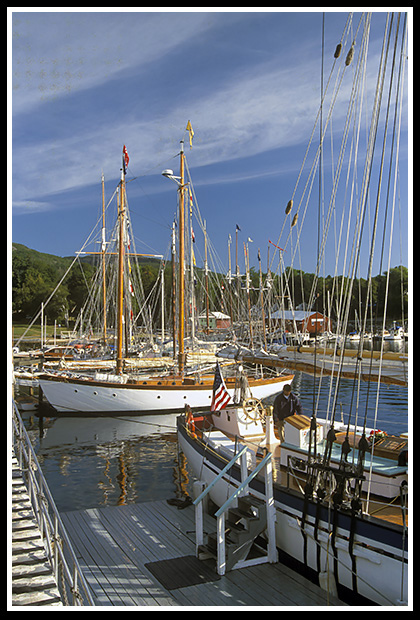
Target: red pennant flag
pixel 126 159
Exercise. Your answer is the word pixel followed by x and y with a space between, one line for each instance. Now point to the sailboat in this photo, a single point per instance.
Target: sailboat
pixel 330 500
pixel 396 333
pixel 104 393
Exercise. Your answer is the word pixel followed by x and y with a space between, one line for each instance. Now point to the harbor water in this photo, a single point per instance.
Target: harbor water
pixel 95 461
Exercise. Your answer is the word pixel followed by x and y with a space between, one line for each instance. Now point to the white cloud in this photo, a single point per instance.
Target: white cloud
pixel 58 53
pixel 264 107
pixel 22 207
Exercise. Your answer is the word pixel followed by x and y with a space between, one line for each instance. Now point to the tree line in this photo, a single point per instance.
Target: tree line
pixel 36 274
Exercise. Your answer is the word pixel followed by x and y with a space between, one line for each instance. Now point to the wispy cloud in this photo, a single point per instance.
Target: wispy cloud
pixel 59 53
pixel 236 115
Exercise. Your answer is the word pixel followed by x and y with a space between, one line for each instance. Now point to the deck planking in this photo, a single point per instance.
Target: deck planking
pixel 113 544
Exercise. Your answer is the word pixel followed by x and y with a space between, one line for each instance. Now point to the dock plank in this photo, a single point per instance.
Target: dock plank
pixel 115 543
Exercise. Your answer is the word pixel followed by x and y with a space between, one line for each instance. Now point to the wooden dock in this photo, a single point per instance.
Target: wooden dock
pixel 33 581
pixel 144 554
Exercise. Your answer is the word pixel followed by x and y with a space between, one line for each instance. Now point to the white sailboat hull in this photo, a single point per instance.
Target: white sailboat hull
pixel 380 577
pixel 88 396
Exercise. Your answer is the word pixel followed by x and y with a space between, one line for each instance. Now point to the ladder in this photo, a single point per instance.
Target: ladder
pixel 239 522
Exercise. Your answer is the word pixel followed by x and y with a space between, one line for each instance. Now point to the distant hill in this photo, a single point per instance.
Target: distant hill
pixel 36 274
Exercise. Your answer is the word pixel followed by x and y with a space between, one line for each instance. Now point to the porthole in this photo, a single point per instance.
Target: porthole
pixel 95 393
pixel 185 397
pixel 114 395
pixel 75 391
pixel 158 396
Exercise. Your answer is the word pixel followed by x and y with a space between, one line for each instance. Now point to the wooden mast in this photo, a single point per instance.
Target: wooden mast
pixel 206 273
pixel 173 293
pixel 262 301
pixel 248 294
pixel 103 249
pixel 181 353
pixel 120 297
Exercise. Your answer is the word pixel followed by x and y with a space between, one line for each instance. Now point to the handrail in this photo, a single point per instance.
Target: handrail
pixel 243 485
pixel 265 463
pixel 68 574
pixel 199 534
pixel 219 475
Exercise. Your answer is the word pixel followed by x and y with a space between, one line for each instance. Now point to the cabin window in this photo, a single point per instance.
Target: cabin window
pixel 95 393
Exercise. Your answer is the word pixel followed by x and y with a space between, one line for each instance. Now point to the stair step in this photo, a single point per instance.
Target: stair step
pixel 235 514
pixel 250 501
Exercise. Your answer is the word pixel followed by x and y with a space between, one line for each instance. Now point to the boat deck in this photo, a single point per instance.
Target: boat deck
pixel 381 508
pixel 144 554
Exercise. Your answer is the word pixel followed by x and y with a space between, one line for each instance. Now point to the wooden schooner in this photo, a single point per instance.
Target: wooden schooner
pixel 104 393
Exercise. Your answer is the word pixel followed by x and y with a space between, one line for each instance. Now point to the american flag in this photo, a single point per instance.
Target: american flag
pixel 220 394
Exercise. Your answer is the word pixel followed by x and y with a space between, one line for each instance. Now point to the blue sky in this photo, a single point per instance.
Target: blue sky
pixel 84 83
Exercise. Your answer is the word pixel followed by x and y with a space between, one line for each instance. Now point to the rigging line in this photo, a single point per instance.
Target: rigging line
pixel 366 183
pixel 311 176
pixel 375 223
pixel 312 172
pixel 357 79
pixel 389 252
pixel 346 30
pixel 369 291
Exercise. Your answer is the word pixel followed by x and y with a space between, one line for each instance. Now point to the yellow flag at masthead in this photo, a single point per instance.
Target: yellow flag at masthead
pixel 190 129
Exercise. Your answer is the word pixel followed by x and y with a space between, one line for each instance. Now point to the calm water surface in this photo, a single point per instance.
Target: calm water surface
pixel 90 462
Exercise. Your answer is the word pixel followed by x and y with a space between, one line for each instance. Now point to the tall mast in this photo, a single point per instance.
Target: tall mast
pixel 262 301
pixel 246 254
pixel 181 354
pixel 173 293
pixel 120 299
pixel 206 273
pixel 103 248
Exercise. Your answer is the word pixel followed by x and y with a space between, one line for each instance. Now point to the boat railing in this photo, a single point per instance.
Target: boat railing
pixel 69 577
pixel 241 490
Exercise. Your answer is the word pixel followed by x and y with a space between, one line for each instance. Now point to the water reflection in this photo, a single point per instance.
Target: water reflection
pixel 97 461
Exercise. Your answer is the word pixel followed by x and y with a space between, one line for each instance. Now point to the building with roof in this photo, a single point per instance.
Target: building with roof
pixel 304 321
pixel 217 320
